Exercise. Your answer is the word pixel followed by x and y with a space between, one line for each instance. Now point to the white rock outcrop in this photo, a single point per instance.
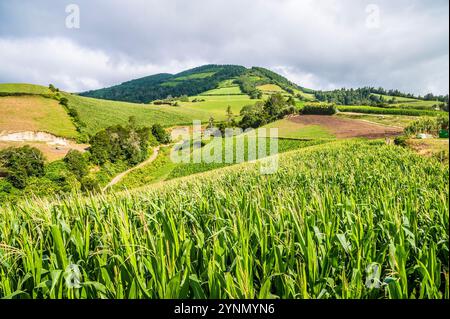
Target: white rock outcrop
pixel 30 136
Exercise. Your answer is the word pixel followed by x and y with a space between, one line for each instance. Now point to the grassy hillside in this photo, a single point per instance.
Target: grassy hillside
pixel 28 112
pixel 230 90
pixel 190 82
pixel 34 113
pixel 23 88
pixel 289 129
pixel 315 229
pixel 34 107
pixel 99 114
pixel 163 169
pixel 204 80
pixel 270 88
pixel 216 105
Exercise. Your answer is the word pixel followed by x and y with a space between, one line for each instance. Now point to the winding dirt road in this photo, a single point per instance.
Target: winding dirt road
pixel 119 177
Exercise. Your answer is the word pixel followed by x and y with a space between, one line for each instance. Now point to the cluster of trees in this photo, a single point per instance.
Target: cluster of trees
pixel 256 76
pixel 118 143
pixel 428 125
pixel 432 97
pixel 160 134
pixel 319 109
pixel 73 113
pixel 371 96
pixel 19 164
pixel 77 163
pixel 427 97
pixel 25 170
pixel 172 101
pixel 53 88
pixel 248 87
pixel 261 113
pixel 129 144
pixel 274 78
pixel 258 114
pixel 156 87
pixel 361 96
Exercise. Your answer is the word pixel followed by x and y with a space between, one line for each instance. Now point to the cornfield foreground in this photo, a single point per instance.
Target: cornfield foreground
pixel 342 220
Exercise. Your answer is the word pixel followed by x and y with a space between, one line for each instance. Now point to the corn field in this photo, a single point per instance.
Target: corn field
pixel 342 220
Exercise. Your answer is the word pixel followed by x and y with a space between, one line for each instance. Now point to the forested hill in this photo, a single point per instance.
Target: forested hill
pixel 192 82
pixel 159 86
pixel 254 82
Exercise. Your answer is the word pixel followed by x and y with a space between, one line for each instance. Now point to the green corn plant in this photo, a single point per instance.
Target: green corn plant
pixel 312 230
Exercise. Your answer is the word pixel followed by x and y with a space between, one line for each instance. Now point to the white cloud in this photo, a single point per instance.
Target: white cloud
pixel 70 66
pixel 320 44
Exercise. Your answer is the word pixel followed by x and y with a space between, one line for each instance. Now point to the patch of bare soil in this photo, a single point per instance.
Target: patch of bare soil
pixel 429 147
pixel 53 147
pixel 347 128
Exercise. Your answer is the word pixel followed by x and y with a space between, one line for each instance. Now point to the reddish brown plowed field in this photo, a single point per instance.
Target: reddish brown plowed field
pixel 346 128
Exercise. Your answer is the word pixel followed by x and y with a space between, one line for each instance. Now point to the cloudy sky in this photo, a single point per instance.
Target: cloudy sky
pixel 321 44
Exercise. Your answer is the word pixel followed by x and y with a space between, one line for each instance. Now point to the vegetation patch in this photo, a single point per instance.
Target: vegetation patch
pixel 290 129
pixel 191 82
pixel 393 111
pixel 428 125
pixel 384 119
pixel 318 109
pixel 215 106
pixel 271 88
pixel 296 236
pixel 100 114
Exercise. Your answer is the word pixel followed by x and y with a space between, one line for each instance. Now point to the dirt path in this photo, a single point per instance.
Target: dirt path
pixel 119 177
pixel 348 128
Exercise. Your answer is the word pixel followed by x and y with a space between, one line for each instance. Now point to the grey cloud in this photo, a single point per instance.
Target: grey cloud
pixel 319 43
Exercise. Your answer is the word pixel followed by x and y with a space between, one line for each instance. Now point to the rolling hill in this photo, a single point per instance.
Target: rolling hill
pixel 34 107
pixel 35 113
pixel 229 79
